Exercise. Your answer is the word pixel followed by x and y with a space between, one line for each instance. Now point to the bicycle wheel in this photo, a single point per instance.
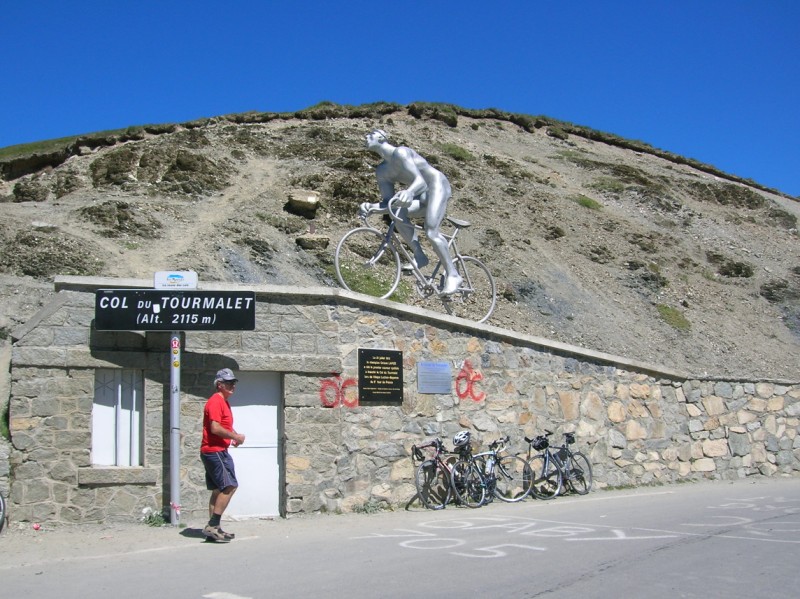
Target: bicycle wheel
pixel 513 479
pixel 2 512
pixel 546 483
pixel 468 484
pixel 579 473
pixel 366 264
pixel 433 485
pixel 489 478
pixel 477 296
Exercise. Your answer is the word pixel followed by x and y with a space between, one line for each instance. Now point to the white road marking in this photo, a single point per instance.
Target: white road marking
pixel 103 556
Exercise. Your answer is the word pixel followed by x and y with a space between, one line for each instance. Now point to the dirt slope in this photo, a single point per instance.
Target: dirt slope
pixel 591 243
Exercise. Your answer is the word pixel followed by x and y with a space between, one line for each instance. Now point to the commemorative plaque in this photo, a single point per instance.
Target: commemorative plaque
pixel 380 376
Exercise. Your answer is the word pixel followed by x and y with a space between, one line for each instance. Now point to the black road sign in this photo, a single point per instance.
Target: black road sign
pixel 174 310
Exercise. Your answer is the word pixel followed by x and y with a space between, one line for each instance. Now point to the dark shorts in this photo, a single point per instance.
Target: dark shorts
pixel 220 473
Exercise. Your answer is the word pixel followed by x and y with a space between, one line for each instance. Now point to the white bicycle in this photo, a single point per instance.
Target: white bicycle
pixel 369 261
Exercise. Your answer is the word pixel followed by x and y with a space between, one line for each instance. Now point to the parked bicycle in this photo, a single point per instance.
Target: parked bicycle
pixel 369 261
pixel 432 478
pixel 469 485
pixel 2 512
pixel 508 477
pixel 558 468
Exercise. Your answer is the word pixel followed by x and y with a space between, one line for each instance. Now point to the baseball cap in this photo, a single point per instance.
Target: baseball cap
pixel 226 374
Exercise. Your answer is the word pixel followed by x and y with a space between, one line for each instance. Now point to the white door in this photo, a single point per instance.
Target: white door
pixel 255 406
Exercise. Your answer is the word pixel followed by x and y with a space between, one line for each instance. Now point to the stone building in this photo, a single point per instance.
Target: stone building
pixel 90 409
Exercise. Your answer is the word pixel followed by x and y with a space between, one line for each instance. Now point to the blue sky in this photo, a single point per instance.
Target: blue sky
pixel 715 80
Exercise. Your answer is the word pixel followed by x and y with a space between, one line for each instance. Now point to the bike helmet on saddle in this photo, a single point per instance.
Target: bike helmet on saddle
pixel 461 439
pixel 540 443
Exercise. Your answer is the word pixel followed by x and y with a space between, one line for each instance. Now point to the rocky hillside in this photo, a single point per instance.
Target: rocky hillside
pixel 594 240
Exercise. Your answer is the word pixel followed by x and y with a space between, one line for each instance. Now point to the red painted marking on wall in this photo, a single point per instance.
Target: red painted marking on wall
pixel 336 391
pixel 465 383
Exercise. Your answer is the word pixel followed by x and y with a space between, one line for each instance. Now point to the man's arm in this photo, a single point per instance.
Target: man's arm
pixel 220 431
pixel 386 188
pixel 405 159
pixel 385 185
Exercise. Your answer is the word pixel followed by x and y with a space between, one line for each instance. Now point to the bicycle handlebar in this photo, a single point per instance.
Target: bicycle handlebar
pixel 364 216
pixel 569 438
pixel 435 443
pixel 500 444
pixel 392 214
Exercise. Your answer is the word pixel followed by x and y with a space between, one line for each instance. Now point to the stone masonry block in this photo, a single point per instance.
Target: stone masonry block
pixel 257 342
pixel 724 390
pixel 704 465
pixel 117 476
pixel 714 405
pixel 616 411
pixel 39 356
pixel 765 390
pixel 715 448
pixel 39 337
pixel 71 336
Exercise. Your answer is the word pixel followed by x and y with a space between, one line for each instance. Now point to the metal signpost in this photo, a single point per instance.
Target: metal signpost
pixel 174 305
pixel 175 429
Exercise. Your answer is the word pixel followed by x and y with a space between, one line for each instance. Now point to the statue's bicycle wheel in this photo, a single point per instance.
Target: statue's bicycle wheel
pixel 475 299
pixel 366 263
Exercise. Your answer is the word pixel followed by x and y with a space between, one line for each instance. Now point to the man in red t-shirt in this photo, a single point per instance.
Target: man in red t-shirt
pixel 218 434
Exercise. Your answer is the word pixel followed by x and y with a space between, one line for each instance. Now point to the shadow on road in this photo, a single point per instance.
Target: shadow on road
pixel 193 533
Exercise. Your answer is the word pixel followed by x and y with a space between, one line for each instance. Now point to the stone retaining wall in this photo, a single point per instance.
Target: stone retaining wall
pixel 5 469
pixel 636 429
pixel 639 424
pixel 5 390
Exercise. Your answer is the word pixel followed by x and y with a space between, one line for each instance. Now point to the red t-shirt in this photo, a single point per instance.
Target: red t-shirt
pixel 217 409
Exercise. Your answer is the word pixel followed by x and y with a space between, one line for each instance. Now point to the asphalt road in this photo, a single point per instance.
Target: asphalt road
pixel 719 539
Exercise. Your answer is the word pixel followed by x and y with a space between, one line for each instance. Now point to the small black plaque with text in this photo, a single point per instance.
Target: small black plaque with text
pixel 380 376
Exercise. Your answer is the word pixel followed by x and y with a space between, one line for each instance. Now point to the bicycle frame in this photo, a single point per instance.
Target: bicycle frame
pixel 575 467
pixel 491 462
pixel 435 476
pixel 549 458
pixel 566 462
pixel 439 451
pixel 425 284
pixel 473 493
pixel 560 456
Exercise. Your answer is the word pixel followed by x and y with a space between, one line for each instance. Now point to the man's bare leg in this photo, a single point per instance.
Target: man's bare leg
pixel 222 500
pixel 437 204
pixel 212 502
pixel 409 234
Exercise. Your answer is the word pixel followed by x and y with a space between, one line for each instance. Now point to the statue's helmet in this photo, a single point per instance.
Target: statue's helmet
pixel 380 135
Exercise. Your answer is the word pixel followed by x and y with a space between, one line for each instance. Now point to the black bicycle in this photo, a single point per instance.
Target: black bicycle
pixel 508 477
pixel 558 468
pixel 2 512
pixel 433 478
pixel 469 484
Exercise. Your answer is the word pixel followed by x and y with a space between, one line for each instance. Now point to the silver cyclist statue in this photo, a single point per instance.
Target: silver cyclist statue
pixel 425 194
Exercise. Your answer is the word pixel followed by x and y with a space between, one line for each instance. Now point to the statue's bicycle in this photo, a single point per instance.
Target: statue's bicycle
pixel 370 261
